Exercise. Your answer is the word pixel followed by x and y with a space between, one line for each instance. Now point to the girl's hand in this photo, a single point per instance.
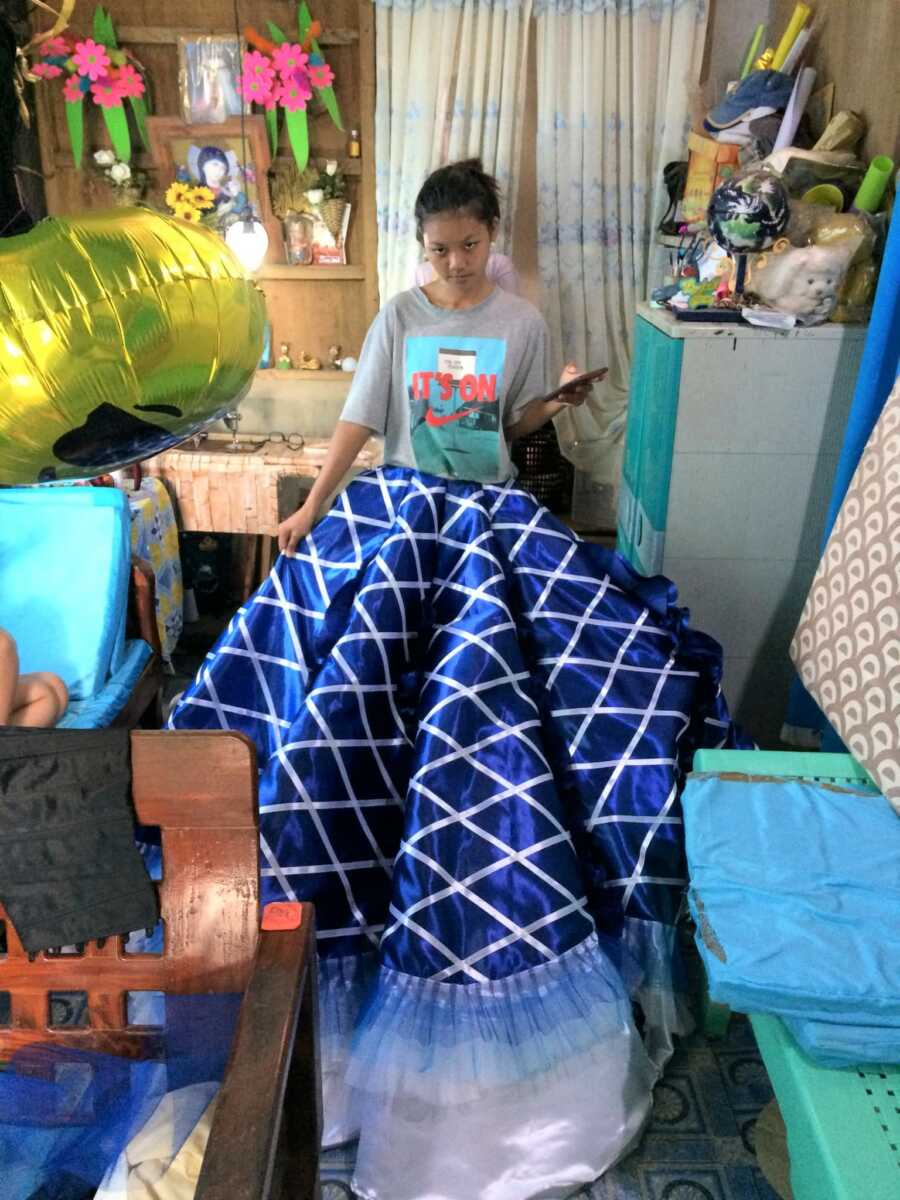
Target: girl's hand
pixel 578 395
pixel 293 530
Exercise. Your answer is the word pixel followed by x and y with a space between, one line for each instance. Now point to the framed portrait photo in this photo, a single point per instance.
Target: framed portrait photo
pixel 208 72
pixel 212 156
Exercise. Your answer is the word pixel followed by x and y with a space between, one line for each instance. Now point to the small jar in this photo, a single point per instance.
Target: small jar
pixel 298 239
pixel 353 147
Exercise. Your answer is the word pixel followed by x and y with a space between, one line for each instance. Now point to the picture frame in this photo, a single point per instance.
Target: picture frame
pixel 209 67
pixel 212 155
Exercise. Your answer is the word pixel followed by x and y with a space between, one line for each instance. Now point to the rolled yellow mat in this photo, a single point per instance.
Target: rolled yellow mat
pixel 798 19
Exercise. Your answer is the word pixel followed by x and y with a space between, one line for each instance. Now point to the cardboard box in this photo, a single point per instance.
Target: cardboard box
pixel 709 163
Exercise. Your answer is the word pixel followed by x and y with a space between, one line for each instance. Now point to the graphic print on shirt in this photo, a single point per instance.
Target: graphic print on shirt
pixel 453 384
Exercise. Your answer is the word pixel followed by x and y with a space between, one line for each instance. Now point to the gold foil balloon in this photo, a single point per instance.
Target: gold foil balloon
pixel 121 333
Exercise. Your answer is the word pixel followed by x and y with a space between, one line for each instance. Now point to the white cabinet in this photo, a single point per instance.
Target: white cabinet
pixel 732 442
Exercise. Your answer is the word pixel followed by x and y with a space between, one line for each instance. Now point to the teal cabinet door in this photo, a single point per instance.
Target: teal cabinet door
pixel 649 445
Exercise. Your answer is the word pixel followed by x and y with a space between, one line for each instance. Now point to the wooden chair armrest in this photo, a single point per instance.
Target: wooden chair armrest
pixel 142 603
pixel 266 1131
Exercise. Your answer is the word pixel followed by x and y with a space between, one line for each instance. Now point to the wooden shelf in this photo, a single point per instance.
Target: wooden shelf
pixel 348 166
pixel 285 271
pixel 162 35
pixel 326 375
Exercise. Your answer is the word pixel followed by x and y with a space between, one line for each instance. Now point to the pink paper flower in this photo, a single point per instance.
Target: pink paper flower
pixel 107 92
pixel 130 82
pixel 256 64
pixel 46 70
pixel 294 93
pixel 54 48
pixel 91 59
pixel 321 76
pixel 289 57
pixel 72 89
pixel 256 89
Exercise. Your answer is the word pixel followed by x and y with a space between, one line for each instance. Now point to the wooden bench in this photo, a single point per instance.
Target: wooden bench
pixel 200 789
pixel 843 1126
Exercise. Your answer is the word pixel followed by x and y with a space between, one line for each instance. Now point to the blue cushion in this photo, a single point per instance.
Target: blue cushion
pixel 833 1045
pixel 795 888
pixel 96 712
pixel 65 556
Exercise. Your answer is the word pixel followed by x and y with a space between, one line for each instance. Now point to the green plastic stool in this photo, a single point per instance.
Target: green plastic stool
pixel 843 1125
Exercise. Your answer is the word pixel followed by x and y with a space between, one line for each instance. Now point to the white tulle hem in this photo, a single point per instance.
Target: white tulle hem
pixel 519 1089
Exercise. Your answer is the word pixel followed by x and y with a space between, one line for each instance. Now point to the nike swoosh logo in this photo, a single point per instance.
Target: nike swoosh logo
pixel 432 418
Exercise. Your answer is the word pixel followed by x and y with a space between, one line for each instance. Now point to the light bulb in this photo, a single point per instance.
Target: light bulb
pixel 249 241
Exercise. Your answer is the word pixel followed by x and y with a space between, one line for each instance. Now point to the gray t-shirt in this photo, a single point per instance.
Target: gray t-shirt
pixel 440 384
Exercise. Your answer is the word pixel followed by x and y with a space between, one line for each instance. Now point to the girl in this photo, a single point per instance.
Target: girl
pixel 471 729
pixel 499 270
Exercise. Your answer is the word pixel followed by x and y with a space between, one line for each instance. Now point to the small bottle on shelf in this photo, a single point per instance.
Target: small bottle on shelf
pixel 353 147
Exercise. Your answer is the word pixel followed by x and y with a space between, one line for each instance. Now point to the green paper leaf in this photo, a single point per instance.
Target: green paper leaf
pixel 298 134
pixel 329 99
pixel 277 36
pixel 139 108
pixel 75 122
pixel 104 30
pixel 272 126
pixel 117 124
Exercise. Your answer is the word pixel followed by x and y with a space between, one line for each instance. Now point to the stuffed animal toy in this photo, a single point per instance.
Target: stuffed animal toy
pixel 802 280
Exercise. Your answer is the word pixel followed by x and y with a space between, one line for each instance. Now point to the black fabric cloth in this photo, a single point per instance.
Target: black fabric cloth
pixel 70 871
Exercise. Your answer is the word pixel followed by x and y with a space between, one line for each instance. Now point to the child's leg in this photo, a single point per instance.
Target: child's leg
pixel 59 689
pixel 9 674
pixel 40 700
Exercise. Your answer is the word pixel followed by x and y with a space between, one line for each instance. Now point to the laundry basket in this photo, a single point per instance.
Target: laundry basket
pixel 543 470
pixel 843 1125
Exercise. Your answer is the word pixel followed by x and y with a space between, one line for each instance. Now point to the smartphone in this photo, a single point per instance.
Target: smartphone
pixel 560 393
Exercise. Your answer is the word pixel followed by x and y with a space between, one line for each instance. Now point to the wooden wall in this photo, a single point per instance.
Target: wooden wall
pixel 857 48
pixel 309 307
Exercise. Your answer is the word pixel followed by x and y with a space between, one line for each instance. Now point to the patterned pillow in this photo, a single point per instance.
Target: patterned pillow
pixel 847 645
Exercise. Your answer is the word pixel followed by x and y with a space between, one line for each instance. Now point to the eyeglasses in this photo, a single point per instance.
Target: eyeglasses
pixel 293 441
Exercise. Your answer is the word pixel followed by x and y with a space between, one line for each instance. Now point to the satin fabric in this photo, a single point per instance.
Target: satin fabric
pixel 472 728
pixel 542 1139
pixel 438 648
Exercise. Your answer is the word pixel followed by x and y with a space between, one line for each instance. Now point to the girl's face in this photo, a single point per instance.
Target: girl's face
pixel 457 246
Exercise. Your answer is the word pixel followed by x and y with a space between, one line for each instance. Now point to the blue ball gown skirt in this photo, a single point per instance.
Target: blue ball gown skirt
pixel 472 728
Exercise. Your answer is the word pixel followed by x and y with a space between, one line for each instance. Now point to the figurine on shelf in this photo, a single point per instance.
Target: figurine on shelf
pixel 334 357
pixel 308 362
pixel 283 361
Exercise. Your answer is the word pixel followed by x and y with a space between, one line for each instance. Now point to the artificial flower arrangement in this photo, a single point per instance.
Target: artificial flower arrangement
pixel 282 75
pixel 191 203
pixel 289 187
pixel 96 68
pixel 328 197
pixel 128 184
